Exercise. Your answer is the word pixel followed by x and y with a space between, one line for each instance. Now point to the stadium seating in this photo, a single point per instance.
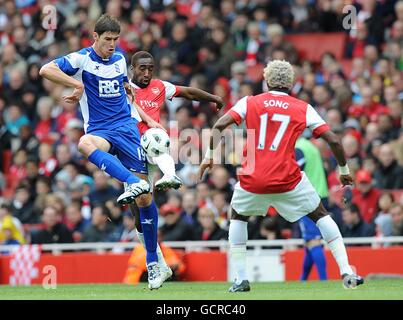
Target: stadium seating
pixel 311 46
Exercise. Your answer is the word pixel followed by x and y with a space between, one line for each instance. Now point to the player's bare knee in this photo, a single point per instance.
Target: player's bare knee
pixel 236 216
pixel 85 145
pixel 319 213
pixel 144 200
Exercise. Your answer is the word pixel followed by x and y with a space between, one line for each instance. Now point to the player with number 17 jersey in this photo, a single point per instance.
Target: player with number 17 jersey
pixel 278 120
pixel 271 177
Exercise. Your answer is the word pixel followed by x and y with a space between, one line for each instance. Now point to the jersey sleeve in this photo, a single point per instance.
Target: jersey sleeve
pixel 300 157
pixel 133 111
pixel 71 63
pixel 238 111
pixel 171 90
pixel 315 122
pixel 125 78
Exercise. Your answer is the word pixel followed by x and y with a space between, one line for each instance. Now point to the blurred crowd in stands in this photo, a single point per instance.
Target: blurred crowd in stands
pixel 51 194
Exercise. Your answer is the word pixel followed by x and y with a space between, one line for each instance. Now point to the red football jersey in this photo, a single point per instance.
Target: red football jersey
pixel 277 120
pixel 152 98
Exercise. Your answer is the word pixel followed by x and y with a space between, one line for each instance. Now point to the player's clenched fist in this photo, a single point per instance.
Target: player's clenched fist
pixel 346 180
pixel 219 102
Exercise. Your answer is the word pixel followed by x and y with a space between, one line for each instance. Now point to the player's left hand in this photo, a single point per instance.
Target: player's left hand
pixel 219 102
pixel 346 180
pixel 206 164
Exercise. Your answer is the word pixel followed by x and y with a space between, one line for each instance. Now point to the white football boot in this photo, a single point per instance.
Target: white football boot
pixel 167 182
pixel 155 280
pixel 165 272
pixel 352 281
pixel 132 191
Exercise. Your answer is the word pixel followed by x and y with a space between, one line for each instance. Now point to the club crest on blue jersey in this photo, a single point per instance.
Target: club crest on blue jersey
pixel 117 68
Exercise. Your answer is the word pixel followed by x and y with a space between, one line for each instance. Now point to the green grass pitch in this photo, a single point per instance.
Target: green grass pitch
pixel 293 290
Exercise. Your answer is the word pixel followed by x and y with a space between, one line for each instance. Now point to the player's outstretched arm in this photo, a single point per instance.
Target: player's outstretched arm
pixel 52 72
pixel 218 127
pixel 131 94
pixel 335 145
pixel 151 123
pixel 200 95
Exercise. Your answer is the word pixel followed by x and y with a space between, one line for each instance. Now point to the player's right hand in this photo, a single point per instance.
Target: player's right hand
pixel 154 124
pixel 206 164
pixel 346 180
pixel 75 96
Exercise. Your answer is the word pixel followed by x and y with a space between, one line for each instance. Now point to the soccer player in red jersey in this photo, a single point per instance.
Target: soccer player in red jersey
pixel 150 95
pixel 278 120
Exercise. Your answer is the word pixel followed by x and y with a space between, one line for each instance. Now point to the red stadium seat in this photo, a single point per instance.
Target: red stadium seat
pixel 11 185
pixel 311 46
pixel 255 73
pixel 397 194
pixel 346 65
pixel 8 193
pixel 159 18
pixel 7 159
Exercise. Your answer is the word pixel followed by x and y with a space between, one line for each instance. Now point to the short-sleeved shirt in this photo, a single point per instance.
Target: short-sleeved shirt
pixel 277 120
pixel 104 104
pixel 152 98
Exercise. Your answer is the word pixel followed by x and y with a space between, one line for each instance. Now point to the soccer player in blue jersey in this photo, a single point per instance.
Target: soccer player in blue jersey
pixel 310 161
pixel 98 75
pixel 314 253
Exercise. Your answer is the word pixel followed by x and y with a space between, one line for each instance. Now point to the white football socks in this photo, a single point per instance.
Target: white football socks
pixel 331 234
pixel 166 164
pixel 238 235
pixel 161 260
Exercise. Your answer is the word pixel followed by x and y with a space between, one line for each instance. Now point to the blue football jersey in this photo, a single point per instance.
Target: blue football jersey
pixel 104 104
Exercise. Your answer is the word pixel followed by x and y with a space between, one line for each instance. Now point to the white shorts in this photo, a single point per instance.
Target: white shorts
pixel 291 205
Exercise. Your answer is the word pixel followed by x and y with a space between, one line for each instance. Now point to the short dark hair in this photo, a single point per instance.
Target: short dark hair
pixel 45 180
pixel 212 47
pixel 106 23
pixel 6 206
pixel 141 55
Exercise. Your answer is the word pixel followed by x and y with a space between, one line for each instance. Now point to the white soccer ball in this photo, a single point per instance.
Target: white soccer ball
pixel 155 142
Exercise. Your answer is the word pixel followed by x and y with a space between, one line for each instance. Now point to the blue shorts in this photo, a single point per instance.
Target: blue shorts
pixel 125 144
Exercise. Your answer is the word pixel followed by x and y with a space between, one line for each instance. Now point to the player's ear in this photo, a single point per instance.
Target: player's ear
pixel 95 36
